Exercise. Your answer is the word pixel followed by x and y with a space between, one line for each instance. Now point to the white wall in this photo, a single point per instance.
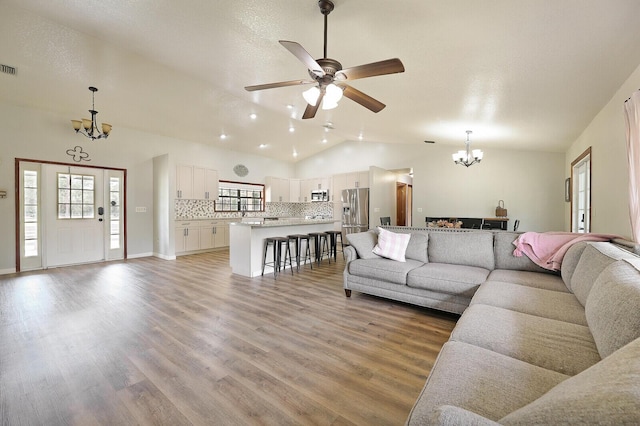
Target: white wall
pixel 530 183
pixel 606 135
pixel 45 136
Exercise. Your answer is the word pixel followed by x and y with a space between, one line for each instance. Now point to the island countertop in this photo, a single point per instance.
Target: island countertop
pixel 246 240
pixel 258 223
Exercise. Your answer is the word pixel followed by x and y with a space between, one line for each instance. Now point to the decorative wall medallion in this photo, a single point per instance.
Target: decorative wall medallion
pixel 241 170
pixel 78 154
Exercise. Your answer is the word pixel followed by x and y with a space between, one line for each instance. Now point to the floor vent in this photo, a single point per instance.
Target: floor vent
pixel 7 69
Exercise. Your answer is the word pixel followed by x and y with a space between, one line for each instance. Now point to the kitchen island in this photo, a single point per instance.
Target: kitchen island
pixel 246 240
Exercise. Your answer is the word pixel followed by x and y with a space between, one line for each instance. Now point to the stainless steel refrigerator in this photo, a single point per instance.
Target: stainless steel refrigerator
pixel 355 210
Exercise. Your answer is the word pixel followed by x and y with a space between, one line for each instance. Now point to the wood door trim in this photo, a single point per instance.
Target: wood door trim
pixel 59 163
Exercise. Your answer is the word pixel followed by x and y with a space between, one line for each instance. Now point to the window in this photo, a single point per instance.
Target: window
pixel 236 196
pixel 114 212
pixel 30 208
pixel 76 196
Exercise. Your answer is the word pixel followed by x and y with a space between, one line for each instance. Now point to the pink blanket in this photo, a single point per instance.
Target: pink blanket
pixel 547 249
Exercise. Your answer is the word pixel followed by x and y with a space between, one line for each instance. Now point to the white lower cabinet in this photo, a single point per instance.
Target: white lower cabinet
pixel 201 235
pixel 187 237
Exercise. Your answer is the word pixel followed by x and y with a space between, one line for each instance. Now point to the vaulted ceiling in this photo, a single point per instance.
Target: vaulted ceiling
pixel 526 74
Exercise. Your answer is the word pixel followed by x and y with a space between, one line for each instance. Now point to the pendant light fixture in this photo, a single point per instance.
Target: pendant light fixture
pixel 467 157
pixel 89 127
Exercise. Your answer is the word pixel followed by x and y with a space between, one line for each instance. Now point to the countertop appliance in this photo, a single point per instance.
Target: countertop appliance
pixel 320 195
pixel 355 210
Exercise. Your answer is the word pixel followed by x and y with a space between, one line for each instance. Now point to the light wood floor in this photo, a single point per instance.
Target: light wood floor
pixel 148 341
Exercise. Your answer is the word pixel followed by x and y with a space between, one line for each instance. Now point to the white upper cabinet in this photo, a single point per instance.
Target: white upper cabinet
pixel 277 189
pixel 196 183
pixel 294 191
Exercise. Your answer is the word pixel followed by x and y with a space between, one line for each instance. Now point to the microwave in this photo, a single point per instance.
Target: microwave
pixel 320 195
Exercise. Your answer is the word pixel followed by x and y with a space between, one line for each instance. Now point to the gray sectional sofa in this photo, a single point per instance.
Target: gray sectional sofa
pixel 531 347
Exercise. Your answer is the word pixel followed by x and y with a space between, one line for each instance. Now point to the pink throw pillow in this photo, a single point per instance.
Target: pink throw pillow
pixel 391 245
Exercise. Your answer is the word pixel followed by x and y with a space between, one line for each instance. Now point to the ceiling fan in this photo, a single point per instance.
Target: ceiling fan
pixel 329 76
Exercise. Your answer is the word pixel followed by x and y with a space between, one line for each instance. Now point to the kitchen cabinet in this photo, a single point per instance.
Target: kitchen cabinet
pixel 294 191
pixel 357 180
pixel 201 235
pixel 277 189
pixel 214 234
pixel 187 237
pixel 196 183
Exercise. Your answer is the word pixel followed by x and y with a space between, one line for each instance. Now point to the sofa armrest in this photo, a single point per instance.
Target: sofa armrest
pixel 350 253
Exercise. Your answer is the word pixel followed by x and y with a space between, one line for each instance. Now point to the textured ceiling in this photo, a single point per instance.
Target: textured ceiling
pixel 521 74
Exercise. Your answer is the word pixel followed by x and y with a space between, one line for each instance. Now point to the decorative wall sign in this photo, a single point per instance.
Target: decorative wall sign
pixel 241 170
pixel 78 154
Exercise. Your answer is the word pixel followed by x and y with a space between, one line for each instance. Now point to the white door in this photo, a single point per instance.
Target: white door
pixel 73 215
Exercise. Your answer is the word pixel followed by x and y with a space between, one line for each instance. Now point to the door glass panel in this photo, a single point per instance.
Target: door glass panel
pixel 30 207
pixel 76 196
pixel 114 212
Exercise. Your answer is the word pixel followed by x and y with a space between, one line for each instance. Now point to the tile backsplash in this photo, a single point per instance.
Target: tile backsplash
pixel 205 209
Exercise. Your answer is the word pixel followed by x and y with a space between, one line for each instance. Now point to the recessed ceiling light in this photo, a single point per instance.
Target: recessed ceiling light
pixel 223 136
pixel 295 154
pixel 324 140
pixel 253 116
pixel 292 129
pixel 289 106
pixel 262 145
pixel 360 136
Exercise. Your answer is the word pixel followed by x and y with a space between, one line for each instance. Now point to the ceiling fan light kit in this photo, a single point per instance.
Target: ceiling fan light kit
pixel 329 77
pixel 468 157
pixel 89 127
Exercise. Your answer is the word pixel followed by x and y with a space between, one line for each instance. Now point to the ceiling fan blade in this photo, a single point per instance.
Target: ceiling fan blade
pixel 390 66
pixel 303 56
pixel 311 110
pixel 279 84
pixel 362 98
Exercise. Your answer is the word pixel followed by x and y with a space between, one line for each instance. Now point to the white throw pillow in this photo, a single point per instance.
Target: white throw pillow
pixel 391 245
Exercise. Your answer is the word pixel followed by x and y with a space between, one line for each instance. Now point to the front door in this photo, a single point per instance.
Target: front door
pixel 73 214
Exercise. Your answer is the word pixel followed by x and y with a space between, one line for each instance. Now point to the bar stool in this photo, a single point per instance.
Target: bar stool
pixel 333 244
pixel 298 239
pixel 321 245
pixel 277 243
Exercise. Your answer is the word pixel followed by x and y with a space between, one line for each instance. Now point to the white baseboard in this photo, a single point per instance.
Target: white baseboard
pixel 164 256
pixel 7 271
pixel 137 255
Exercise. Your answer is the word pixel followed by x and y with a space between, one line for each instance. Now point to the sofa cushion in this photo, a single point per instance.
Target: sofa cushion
pixel 481 381
pixel 595 258
pixel 503 250
pixel 417 248
pixel 383 269
pixel 555 345
pixel 462 248
pixel 532 301
pixel 613 306
pixel 530 279
pixel 364 242
pixel 448 415
pixel 391 245
pixel 445 278
pixel 606 394
pixel 570 261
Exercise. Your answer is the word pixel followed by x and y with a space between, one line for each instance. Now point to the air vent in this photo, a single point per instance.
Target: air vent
pixel 7 69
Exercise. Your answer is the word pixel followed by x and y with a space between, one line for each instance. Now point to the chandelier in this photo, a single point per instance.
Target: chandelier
pixel 467 157
pixel 89 127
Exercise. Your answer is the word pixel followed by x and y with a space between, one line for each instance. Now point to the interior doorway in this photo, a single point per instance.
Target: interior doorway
pixel 581 193
pixel 404 197
pixel 68 214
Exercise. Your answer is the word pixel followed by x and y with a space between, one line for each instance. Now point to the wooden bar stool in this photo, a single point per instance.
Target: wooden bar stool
pixel 298 239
